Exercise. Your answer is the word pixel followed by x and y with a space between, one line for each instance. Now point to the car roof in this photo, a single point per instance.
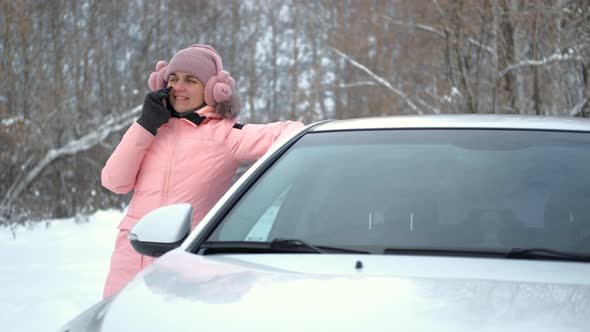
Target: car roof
pixel 461 121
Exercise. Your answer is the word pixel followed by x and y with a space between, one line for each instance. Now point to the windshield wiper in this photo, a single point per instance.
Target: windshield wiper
pixel 546 254
pixel 441 252
pixel 530 253
pixel 280 245
pixel 253 247
pixel 318 249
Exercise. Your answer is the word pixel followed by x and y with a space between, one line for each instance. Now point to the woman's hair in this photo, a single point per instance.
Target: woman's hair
pixel 229 109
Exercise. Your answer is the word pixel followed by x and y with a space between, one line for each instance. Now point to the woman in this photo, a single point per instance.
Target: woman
pixel 185 147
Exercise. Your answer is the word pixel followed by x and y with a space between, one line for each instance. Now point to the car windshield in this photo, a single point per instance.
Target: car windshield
pixel 464 190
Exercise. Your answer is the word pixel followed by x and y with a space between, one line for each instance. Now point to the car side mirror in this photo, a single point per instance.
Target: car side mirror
pixel 161 230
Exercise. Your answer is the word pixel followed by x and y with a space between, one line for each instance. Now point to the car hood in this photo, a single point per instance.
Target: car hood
pixel 183 291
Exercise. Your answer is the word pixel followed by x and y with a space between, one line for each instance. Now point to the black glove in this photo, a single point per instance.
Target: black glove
pixel 154 114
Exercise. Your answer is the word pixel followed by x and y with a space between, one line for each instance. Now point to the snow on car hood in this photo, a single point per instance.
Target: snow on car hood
pixel 182 292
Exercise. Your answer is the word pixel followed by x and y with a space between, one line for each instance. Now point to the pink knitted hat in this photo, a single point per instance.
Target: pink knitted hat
pixel 204 63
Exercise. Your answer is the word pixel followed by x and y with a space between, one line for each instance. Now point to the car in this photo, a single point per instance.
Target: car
pixel 422 223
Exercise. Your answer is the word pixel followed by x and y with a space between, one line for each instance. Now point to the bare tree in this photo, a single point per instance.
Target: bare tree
pixel 71 67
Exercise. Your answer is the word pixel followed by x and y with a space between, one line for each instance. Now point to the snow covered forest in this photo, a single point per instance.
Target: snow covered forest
pixel 74 72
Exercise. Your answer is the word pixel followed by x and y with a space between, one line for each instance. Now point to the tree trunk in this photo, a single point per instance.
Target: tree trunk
pixel 506 57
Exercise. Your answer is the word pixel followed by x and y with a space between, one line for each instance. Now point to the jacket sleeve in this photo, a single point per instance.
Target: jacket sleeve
pixel 253 140
pixel 120 171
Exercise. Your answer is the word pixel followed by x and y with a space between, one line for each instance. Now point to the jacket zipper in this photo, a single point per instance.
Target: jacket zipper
pixel 166 188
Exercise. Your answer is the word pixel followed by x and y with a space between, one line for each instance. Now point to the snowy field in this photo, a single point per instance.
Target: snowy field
pixel 48 274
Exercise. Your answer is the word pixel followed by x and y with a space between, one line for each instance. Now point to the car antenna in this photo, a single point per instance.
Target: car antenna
pixel 358 265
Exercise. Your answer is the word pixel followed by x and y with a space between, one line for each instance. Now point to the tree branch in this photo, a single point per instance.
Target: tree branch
pixel 422 27
pixel 433 109
pixel 356 85
pixel 379 80
pixel 574 111
pixel 109 126
pixel 547 60
pixel 437 32
pixel 10 121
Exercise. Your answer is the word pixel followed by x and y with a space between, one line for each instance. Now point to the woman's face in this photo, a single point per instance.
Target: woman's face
pixel 187 92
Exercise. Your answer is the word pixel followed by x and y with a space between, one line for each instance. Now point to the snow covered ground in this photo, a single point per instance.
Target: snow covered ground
pixel 48 274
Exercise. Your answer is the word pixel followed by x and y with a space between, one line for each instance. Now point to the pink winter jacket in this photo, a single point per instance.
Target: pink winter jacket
pixel 185 163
